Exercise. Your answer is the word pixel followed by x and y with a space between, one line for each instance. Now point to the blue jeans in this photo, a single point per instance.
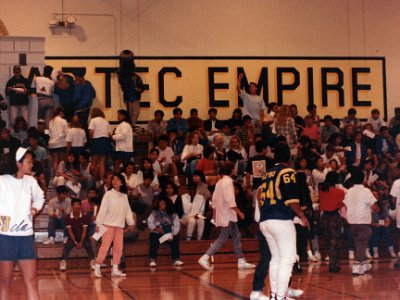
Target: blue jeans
pixel 55 223
pixel 378 232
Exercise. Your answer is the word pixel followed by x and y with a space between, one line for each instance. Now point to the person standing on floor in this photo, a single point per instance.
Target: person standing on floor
pixel 279 199
pixel 131 84
pixel 20 200
pixel 330 204
pixel 359 200
pixel 114 212
pixel 225 215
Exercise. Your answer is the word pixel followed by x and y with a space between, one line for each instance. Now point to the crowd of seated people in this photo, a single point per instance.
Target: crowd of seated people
pixel 76 156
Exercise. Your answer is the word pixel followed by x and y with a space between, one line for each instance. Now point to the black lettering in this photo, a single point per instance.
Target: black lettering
pixel 310 78
pixel 161 87
pixel 34 71
pixel 145 85
pixel 212 86
pixel 359 87
pixel 107 72
pixel 281 87
pixel 262 84
pixel 338 87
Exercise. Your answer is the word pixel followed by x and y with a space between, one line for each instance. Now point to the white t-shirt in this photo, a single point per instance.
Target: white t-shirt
pixel 17 198
pixel 58 128
pixel 376 124
pixel 43 85
pixel 100 127
pixel 76 136
pixel 196 149
pixel 327 160
pixel 358 201
pixel 168 154
pixel 133 181
pixel 253 105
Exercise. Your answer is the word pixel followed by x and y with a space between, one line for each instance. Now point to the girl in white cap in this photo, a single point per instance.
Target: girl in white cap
pixel 20 200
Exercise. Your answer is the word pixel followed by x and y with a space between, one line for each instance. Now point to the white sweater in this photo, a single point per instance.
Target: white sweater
pixel 194 208
pixel 124 137
pixel 115 210
pixel 17 198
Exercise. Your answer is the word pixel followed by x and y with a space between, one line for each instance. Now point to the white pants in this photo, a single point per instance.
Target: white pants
pixel 281 238
pixel 18 110
pixel 191 223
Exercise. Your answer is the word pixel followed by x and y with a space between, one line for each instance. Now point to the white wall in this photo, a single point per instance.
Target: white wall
pixel 223 28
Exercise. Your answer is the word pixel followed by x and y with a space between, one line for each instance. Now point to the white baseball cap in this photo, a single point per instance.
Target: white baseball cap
pixel 20 153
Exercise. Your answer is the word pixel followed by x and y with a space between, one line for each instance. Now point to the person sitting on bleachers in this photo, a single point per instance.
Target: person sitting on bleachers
pixel 157 126
pixel 40 166
pixel 20 131
pixel 193 208
pixel 208 165
pixel 77 224
pixel 146 196
pixel 147 168
pixel 131 179
pixel 194 122
pixel 64 88
pixel 178 124
pixel 212 125
pixel 191 153
pixel 385 147
pixel 352 119
pixel 171 191
pixel 375 120
pixel 166 158
pixel 164 221
pixel 327 129
pixel 86 172
pixel 8 143
pixel 67 174
pixel 58 208
pixel 85 204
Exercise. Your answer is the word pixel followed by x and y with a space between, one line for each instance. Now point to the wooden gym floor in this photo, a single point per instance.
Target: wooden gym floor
pixel 225 282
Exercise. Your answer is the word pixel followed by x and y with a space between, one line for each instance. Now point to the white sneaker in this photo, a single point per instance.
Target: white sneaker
pixel 312 258
pixel 376 254
pixel 178 263
pixel 294 293
pixel 317 255
pixel 205 264
pixel 97 271
pixel 368 254
pixel 49 241
pixel 393 255
pixel 92 264
pixel 256 295
pixel 351 255
pixel 245 265
pixel 117 273
pixel 65 240
pixel 327 258
pixel 153 264
pixel 63 265
pixel 366 267
pixel 357 269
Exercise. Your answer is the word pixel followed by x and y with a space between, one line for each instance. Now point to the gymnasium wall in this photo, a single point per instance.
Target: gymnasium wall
pixel 264 28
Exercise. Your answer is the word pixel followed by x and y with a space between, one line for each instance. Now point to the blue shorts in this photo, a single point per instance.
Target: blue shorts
pixel 124 156
pixel 14 248
pixel 100 146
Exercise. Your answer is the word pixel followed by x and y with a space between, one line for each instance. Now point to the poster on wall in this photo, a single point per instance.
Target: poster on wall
pixel 334 84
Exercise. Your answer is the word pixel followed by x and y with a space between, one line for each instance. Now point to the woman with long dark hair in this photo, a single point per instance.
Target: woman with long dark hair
pixel 131 84
pixel 20 200
pixel 113 214
pixel 331 202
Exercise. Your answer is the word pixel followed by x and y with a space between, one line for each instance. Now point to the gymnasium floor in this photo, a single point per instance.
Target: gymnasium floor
pixel 225 282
